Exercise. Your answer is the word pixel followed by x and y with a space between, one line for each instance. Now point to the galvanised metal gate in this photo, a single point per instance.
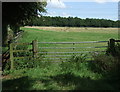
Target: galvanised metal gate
pixel 62 51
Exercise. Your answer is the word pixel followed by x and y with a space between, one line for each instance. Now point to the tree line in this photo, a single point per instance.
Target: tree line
pixel 72 22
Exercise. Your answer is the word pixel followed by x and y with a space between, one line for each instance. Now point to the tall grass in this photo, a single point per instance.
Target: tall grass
pixel 76 74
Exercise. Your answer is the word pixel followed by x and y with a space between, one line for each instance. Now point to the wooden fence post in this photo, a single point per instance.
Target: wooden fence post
pixel 11 56
pixel 35 48
pixel 112 43
pixel 112 46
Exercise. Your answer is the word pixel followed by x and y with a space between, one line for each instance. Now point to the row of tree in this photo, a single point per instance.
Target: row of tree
pixel 72 22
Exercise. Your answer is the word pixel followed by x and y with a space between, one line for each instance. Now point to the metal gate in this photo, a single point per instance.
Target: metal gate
pixel 63 51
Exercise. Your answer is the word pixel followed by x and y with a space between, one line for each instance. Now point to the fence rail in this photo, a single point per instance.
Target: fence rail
pixel 70 47
pixel 72 52
pixel 71 42
pixel 61 55
pixel 52 54
pixel 56 58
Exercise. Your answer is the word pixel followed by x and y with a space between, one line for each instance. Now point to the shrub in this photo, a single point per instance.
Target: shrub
pixel 81 58
pixel 104 63
pixel 74 63
pixel 21 54
pixel 114 52
pixel 28 62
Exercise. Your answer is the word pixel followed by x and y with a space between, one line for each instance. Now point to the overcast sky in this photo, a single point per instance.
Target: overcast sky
pixel 83 8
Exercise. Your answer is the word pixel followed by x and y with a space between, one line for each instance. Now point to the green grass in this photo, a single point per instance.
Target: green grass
pixel 60 36
pixel 56 34
pixel 57 76
pixel 61 75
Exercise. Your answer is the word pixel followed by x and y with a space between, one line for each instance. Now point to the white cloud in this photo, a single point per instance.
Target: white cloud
pixel 98 1
pixel 104 1
pixel 61 4
pixel 65 14
pixel 53 13
pixel 55 4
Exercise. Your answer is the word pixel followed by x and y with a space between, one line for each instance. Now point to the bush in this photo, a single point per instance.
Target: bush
pixel 73 64
pixel 114 52
pixel 28 62
pixel 21 54
pixel 104 63
pixel 81 58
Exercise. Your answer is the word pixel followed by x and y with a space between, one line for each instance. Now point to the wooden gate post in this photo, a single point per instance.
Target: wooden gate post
pixel 11 56
pixel 35 48
pixel 112 45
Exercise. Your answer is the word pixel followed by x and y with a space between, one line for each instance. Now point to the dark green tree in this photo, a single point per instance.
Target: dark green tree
pixel 16 14
pixel 73 22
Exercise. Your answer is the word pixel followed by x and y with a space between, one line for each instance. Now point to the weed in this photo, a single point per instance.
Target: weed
pixel 81 58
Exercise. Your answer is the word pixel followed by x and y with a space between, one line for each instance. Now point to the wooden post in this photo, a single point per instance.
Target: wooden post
pixel 11 56
pixel 35 48
pixel 112 45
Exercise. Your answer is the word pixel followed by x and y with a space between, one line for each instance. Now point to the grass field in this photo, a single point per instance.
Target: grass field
pixel 69 34
pixel 64 34
pixel 62 75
